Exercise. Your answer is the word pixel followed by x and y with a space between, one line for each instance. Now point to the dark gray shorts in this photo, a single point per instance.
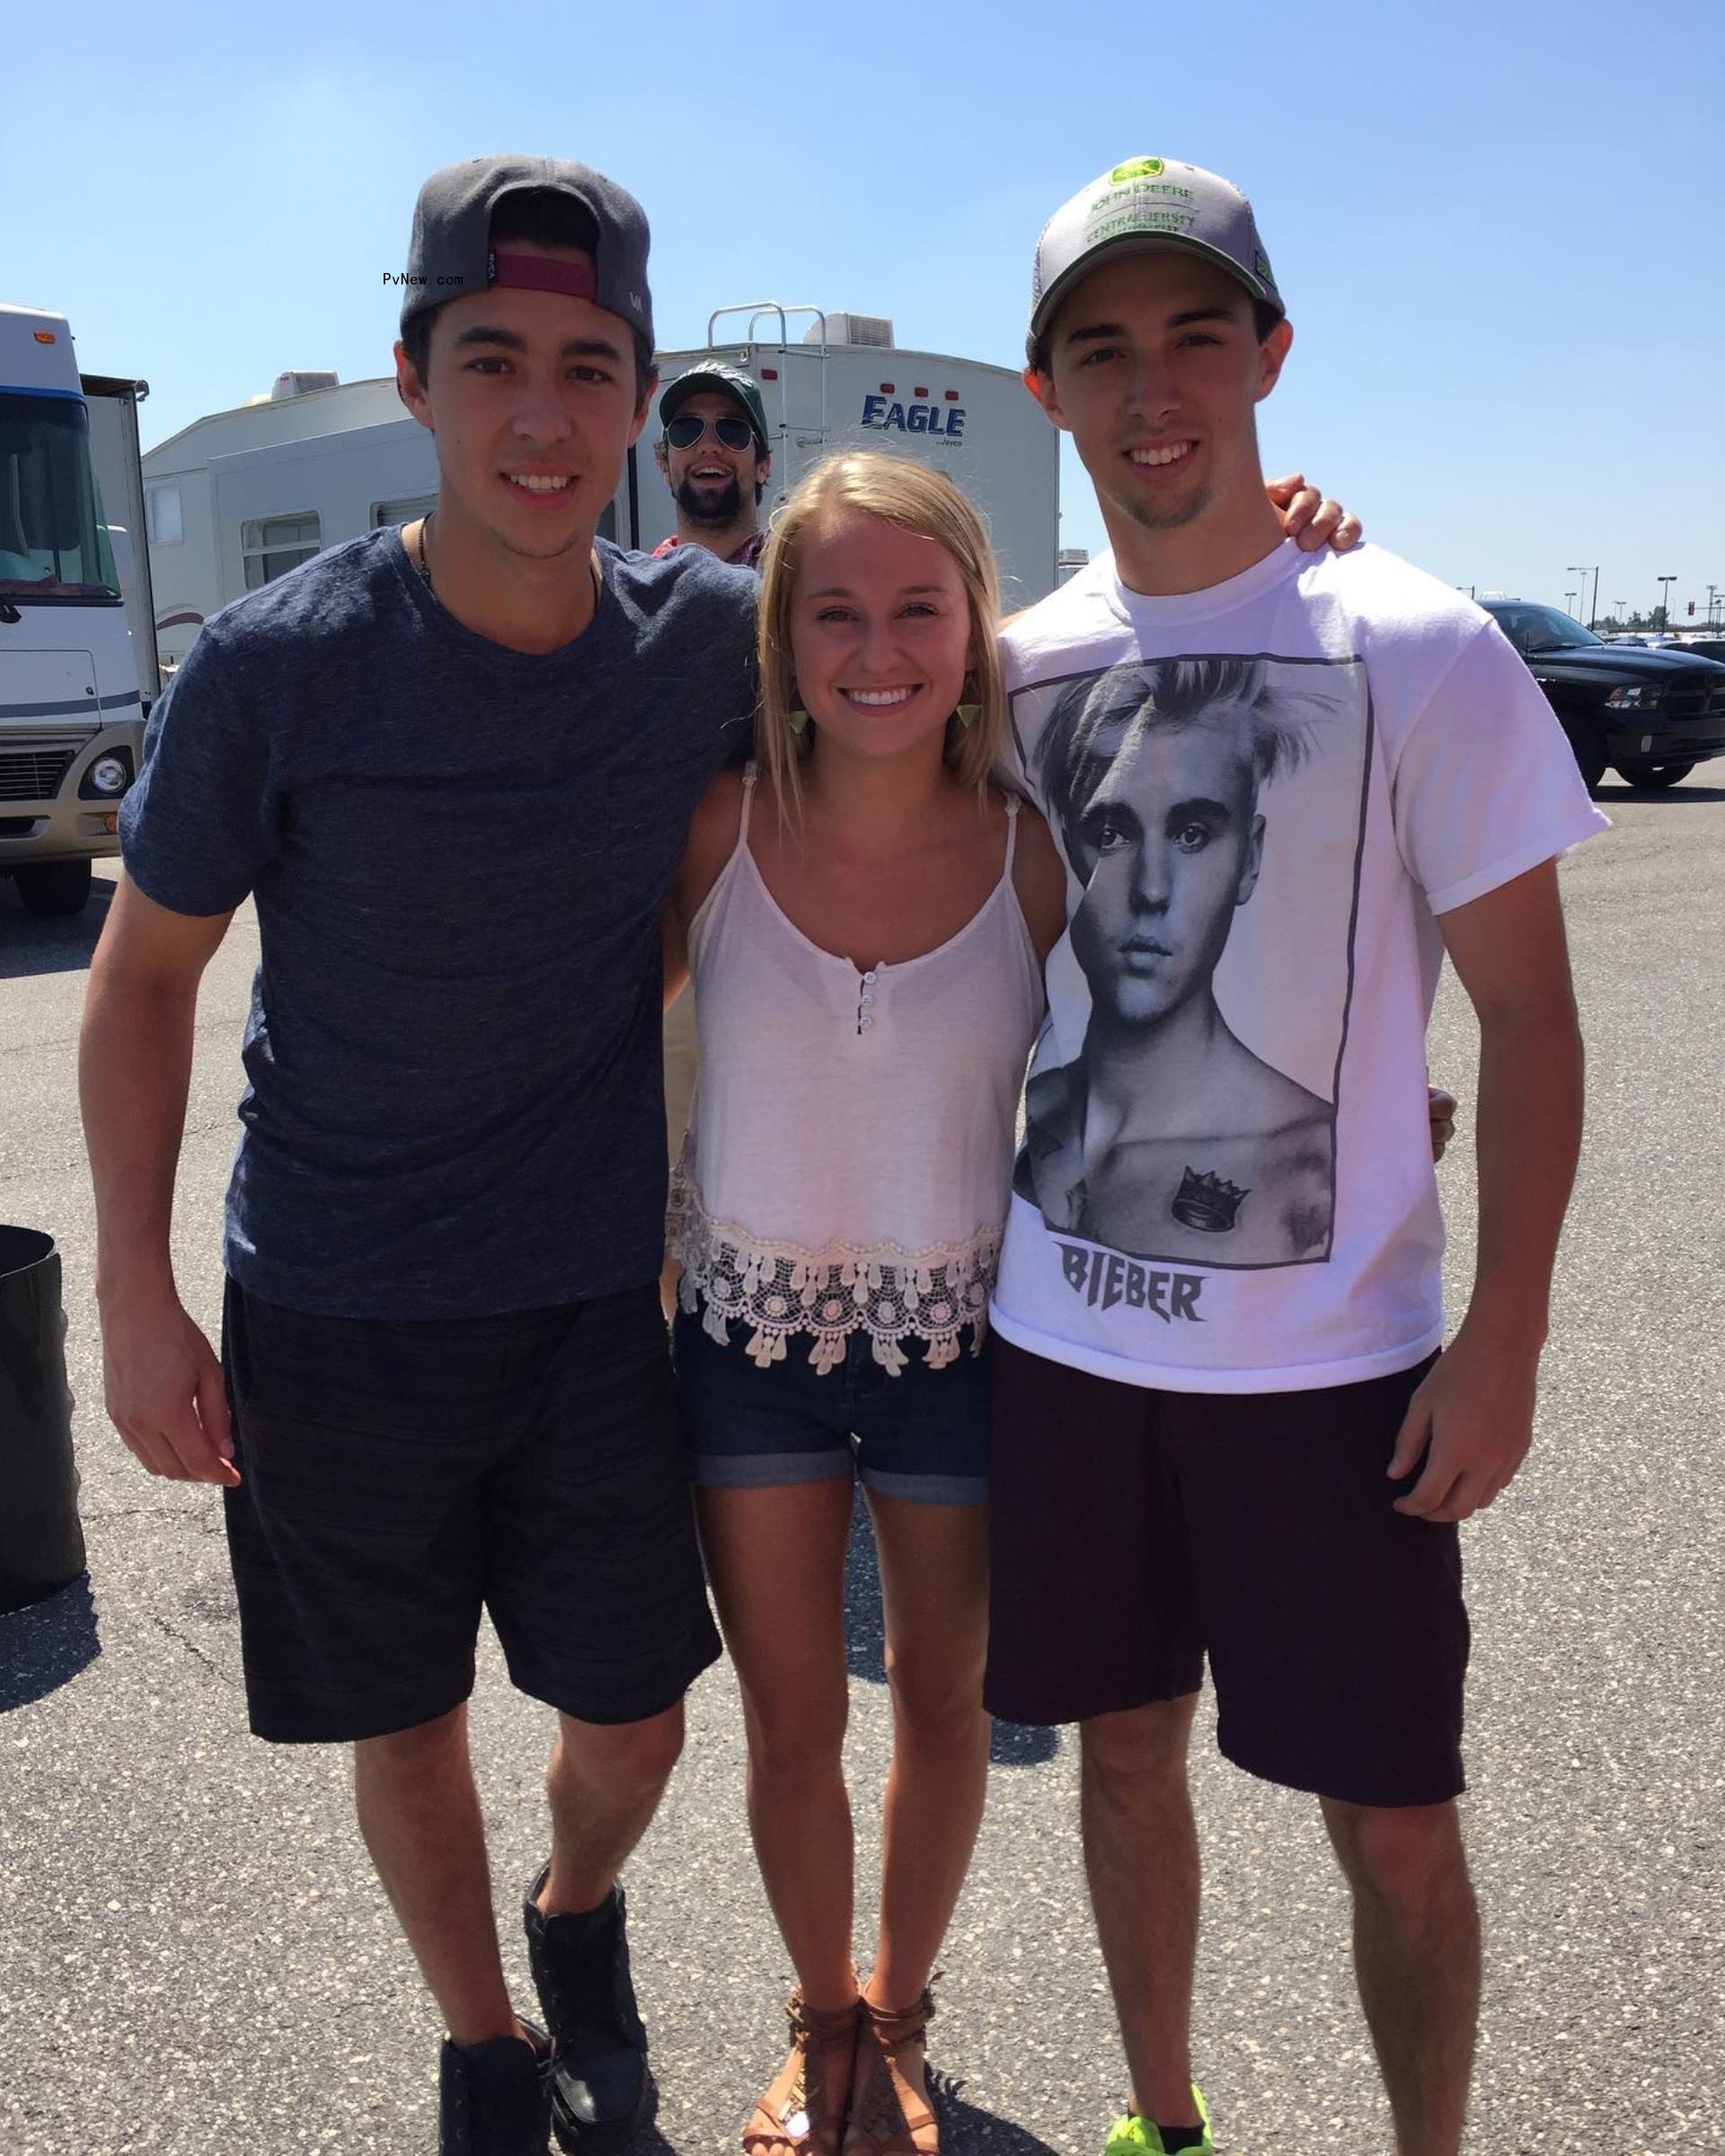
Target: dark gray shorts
pixel 1135 1533
pixel 397 1478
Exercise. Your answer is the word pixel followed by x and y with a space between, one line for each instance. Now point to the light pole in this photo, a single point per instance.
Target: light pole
pixel 1577 569
pixel 1665 600
pixel 1569 603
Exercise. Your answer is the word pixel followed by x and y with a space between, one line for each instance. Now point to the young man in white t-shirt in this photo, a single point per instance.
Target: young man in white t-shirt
pixel 1284 785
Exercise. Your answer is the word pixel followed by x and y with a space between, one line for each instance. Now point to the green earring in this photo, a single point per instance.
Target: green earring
pixel 799 722
pixel 968 714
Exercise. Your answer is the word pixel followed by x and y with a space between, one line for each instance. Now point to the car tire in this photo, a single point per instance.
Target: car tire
pixel 1587 739
pixel 54 888
pixel 1657 775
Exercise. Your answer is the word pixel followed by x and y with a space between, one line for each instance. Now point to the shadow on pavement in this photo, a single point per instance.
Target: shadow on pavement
pixel 963 2126
pixel 1012 1744
pixel 1021 1744
pixel 29 945
pixel 47 1645
pixel 647 2139
pixel 969 2128
pixel 1677 793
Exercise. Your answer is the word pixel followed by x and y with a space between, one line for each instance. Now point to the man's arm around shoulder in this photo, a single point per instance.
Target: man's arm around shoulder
pixel 1472 1418
pixel 163 1382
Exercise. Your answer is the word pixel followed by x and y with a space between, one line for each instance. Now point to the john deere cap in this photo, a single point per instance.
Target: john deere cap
pixel 1145 205
pixel 727 382
pixel 450 254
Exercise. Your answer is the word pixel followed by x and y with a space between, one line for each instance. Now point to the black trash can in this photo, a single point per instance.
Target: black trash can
pixel 41 1543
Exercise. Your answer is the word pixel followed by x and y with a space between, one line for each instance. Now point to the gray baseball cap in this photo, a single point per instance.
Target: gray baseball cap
pixel 450 254
pixel 1142 206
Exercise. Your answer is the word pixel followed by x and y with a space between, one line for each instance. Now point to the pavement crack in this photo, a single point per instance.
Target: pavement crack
pixel 194 1650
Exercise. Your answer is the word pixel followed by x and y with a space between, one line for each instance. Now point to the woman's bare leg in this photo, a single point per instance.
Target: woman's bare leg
pixel 934 1584
pixel 776 1560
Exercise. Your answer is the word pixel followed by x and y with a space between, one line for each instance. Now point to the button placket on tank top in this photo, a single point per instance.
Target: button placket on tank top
pixel 868 996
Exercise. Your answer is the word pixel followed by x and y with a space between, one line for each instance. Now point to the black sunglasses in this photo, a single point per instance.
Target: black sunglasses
pixel 686 430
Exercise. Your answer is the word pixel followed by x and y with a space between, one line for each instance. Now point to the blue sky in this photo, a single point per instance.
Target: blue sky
pixel 1499 228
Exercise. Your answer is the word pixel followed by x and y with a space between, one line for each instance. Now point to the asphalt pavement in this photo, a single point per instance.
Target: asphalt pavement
pixel 195 1956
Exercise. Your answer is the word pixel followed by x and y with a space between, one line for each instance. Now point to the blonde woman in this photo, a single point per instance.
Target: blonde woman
pixel 866 915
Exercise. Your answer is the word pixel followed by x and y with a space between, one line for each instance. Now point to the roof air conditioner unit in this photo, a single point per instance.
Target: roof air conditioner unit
pixel 853 328
pixel 296 383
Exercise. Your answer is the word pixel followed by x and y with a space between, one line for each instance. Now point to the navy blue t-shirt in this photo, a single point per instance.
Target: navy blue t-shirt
pixel 459 854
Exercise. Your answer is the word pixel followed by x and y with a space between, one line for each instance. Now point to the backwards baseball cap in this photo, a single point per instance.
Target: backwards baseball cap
pixel 450 254
pixel 727 382
pixel 1147 204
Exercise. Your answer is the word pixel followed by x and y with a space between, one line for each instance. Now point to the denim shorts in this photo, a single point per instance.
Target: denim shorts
pixel 922 1435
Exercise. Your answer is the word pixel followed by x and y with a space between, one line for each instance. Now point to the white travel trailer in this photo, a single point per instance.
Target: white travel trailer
pixel 844 385
pixel 239 497
pixel 75 685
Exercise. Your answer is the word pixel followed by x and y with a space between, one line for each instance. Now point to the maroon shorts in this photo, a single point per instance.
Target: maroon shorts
pixel 1135 1531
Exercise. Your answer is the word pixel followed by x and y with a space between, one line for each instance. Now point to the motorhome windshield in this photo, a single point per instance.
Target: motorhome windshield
pixel 54 548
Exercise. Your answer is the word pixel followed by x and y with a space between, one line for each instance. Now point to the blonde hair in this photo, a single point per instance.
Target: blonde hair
pixel 916 499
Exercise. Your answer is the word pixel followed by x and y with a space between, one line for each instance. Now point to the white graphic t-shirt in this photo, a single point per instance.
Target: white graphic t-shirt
pixel 1264 794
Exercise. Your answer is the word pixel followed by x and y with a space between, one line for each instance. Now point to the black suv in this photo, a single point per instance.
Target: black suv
pixel 1652 714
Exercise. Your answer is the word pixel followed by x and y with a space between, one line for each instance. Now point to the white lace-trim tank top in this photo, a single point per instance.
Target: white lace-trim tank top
pixel 849 1161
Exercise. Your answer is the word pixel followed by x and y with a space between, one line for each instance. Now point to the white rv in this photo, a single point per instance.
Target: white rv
pixel 73 686
pixel 844 385
pixel 239 497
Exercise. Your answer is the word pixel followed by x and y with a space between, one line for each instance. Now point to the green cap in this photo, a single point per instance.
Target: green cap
pixel 729 382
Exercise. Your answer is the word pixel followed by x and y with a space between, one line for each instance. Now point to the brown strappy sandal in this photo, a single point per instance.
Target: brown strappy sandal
pixel 889 2115
pixel 795 2108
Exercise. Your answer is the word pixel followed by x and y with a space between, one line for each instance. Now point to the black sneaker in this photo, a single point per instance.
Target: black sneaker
pixel 495 2099
pixel 599 2082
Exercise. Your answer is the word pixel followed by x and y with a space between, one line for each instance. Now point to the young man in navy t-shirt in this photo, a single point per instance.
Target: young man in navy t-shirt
pixel 454 766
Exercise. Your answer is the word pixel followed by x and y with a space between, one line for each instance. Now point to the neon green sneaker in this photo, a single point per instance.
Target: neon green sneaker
pixel 1135 2136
